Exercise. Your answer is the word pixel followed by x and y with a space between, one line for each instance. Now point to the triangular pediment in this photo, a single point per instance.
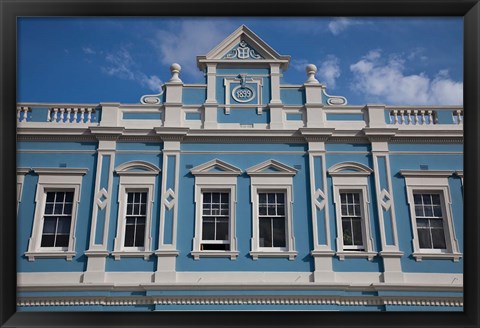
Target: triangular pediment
pixel 215 167
pixel 243 46
pixel 272 167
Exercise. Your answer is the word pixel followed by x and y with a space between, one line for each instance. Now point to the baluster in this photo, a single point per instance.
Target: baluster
pixel 69 115
pixel 82 115
pixel 402 116
pixel 55 113
pixel 422 112
pixel 25 114
pixel 395 117
pixel 19 110
pixel 49 115
pixel 75 112
pixel 62 111
pixel 89 116
pixel 430 117
pixel 459 116
pixel 415 113
pixel 409 117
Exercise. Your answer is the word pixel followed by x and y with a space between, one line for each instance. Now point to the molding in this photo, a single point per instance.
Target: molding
pixel 146 167
pixel 160 253
pixel 419 256
pixel 59 171
pixel 359 254
pixel 279 168
pixel 322 253
pixel 275 300
pixel 118 254
pixel 197 254
pixel 339 169
pixel 290 254
pixel 392 254
pixel 68 255
pixel 226 169
pixel 96 253
pixel 427 173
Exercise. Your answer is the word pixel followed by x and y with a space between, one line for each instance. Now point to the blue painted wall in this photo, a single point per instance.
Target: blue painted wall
pixel 292 96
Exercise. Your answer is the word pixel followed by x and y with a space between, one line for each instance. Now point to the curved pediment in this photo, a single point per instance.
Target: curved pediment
pixel 216 167
pixel 137 168
pixel 271 167
pixel 349 168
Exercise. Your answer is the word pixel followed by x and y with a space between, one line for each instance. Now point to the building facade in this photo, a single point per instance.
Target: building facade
pixel 241 193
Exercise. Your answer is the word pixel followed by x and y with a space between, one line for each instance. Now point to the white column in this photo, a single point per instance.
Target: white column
pixel 211 105
pixel 386 213
pixel 173 101
pixel 167 233
pixel 313 99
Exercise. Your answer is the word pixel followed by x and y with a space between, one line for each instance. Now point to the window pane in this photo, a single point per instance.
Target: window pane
pixel 344 210
pixel 50 197
pixel 356 198
pixel 436 199
pixel 262 198
pixel 215 197
pixel 206 209
pixel 436 223
pixel 424 238
pixel 129 235
pixel 356 209
pixel 67 209
pixel 262 210
pixel 357 232
pixel 347 232
pixel 49 225
pixel 140 233
pixel 143 209
pixel 350 209
pixel 222 229
pixel 280 198
pixel 61 241
pixel 438 239
pixel 271 198
pixel 48 241
pixel 225 198
pixel 422 223
pixel 437 211
pixel 130 220
pixel 136 209
pixel 343 198
pixel 279 233
pixel 417 199
pixel 281 209
pixel 208 229
pixel 63 225
pixel 215 209
pixel 428 210
pixel 207 197
pixel 271 209
pixel 49 208
pixel 129 209
pixel 265 232
pixel 419 210
pixel 224 210
pixel 69 197
pixel 350 198
pixel 130 197
pixel 427 199
pixel 58 208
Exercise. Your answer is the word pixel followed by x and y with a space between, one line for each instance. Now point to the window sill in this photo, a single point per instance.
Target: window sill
pixel 290 254
pixel 119 254
pixel 419 256
pixel 358 254
pixel 197 254
pixel 68 255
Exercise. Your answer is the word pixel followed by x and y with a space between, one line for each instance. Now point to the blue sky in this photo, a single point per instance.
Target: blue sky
pixel 395 61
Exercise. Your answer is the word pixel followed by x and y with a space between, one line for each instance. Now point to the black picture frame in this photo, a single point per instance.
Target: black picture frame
pixel 11 9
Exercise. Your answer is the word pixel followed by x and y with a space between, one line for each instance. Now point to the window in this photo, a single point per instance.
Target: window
pixel 57 219
pixel 350 195
pixel 428 194
pixel 351 220
pixel 136 217
pixel 57 198
pixel 135 208
pixel 271 218
pixel 215 210
pixel 272 205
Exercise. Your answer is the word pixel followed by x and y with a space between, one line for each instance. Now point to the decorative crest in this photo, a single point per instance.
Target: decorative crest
pixel 243 51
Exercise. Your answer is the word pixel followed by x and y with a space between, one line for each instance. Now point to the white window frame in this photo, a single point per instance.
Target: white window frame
pixel 54 179
pixel 215 176
pixel 135 176
pixel 280 179
pixel 352 177
pixel 21 172
pixel 423 181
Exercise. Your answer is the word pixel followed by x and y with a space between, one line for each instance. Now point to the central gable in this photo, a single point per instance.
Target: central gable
pixel 243 46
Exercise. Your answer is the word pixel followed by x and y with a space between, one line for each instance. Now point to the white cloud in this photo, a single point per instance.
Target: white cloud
pixel 329 71
pixel 385 81
pixel 338 25
pixel 88 51
pixel 182 42
pixel 120 64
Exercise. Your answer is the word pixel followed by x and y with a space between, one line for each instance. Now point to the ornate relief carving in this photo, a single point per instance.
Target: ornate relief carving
pixel 243 51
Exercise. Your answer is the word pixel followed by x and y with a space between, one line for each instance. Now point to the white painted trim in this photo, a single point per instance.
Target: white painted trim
pixel 205 181
pixel 351 176
pixel 282 180
pixel 21 172
pixel 432 181
pixel 54 179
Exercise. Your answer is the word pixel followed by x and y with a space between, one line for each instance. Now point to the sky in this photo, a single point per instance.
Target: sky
pixel 370 60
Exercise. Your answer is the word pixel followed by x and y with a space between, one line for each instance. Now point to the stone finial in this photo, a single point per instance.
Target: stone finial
pixel 311 71
pixel 175 69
